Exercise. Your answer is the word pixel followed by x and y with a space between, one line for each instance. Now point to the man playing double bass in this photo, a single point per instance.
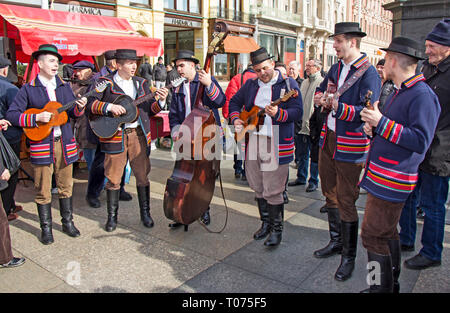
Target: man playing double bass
pixel 132 140
pixel 184 97
pixel 269 152
pixel 56 152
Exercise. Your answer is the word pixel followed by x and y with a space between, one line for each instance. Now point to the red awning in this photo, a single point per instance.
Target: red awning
pixel 73 33
pixel 236 44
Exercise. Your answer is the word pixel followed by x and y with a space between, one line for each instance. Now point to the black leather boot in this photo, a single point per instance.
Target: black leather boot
pixel 335 244
pixel 264 230
pixel 349 231
pixel 144 205
pixel 276 215
pixel 394 248
pixel 45 218
pixel 112 206
pixel 66 210
pixel 385 283
pixel 206 217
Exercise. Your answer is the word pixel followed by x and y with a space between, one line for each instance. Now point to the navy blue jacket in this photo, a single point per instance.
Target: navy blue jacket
pixel 8 92
pixel 352 145
pixel 401 140
pixel 213 98
pixel 288 113
pixel 34 95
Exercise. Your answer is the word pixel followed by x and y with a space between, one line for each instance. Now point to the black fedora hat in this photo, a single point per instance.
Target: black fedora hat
pixel 259 56
pixel 110 54
pixel 406 46
pixel 126 54
pixel 186 55
pixel 46 48
pixel 350 28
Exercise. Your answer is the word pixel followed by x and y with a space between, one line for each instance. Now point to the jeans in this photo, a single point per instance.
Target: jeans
pixel 96 180
pixel 431 192
pixel 89 155
pixel 302 148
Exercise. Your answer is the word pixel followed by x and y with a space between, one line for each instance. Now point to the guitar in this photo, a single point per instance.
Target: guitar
pixel 59 115
pixel 105 126
pixel 256 115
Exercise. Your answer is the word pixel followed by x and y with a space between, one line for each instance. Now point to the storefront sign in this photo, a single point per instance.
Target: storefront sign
pixel 75 7
pixel 182 22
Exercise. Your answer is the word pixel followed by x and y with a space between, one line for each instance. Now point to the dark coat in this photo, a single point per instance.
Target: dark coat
pixel 145 71
pixel 437 159
pixel 159 72
pixel 386 90
pixel 8 92
pixel 34 95
pixel 98 103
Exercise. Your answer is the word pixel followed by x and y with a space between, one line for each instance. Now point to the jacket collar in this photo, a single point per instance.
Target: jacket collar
pixel 361 61
pixel 442 67
pixel 413 80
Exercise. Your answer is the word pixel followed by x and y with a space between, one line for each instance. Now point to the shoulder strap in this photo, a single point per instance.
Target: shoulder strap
pixel 288 83
pixel 352 79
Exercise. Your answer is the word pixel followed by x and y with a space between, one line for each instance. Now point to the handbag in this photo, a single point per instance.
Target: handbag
pixel 10 159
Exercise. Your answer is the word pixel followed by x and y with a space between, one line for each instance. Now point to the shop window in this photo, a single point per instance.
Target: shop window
pixel 220 65
pixel 268 42
pixel 192 6
pixel 179 40
pixel 289 50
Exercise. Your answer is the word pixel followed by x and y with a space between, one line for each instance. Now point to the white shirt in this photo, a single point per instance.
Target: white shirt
pixel 331 121
pixel 50 85
pixel 128 87
pixel 264 98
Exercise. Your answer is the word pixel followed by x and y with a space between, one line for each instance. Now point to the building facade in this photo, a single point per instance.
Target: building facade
pixel 376 22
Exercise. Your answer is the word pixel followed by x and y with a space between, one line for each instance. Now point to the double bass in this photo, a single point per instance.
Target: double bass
pixel 190 188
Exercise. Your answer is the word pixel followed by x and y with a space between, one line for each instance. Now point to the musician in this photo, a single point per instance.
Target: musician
pixel 343 144
pixel 404 130
pixel 268 182
pixel 132 140
pixel 184 96
pixel 57 152
pixel 110 66
pixel 83 72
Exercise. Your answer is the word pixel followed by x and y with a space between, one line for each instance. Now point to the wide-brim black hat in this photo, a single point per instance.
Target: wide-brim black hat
pixel 406 46
pixel 186 55
pixel 350 28
pixel 259 56
pixel 126 54
pixel 46 49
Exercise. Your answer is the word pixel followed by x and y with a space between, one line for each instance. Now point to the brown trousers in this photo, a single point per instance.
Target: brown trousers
pixel 63 175
pixel 264 175
pixel 135 150
pixel 380 224
pixel 339 180
pixel 5 239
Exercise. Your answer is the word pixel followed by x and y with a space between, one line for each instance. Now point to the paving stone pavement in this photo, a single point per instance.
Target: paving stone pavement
pixel 136 259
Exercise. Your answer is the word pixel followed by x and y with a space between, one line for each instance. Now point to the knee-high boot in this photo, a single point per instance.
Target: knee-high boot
pixel 112 206
pixel 66 210
pixel 144 205
pixel 335 244
pixel 276 215
pixel 349 232
pixel 45 219
pixel 264 230
pixel 385 283
pixel 394 248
